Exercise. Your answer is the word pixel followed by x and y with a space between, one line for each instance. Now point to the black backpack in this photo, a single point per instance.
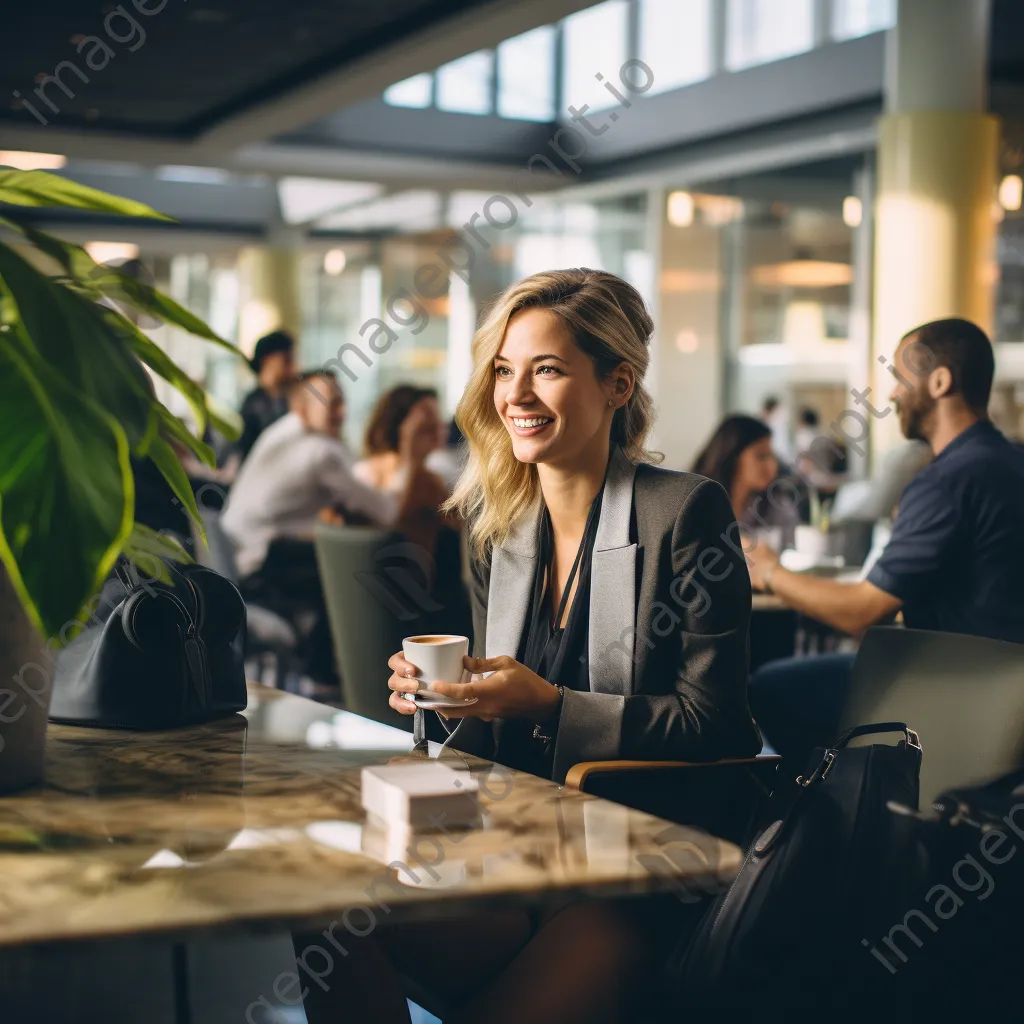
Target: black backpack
pixel 829 867
pixel 956 946
pixel 155 655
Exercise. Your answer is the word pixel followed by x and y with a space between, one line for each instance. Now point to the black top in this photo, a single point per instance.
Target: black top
pixel 556 654
pixel 956 556
pixel 259 410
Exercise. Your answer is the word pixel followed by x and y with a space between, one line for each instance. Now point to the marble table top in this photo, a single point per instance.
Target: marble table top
pixel 255 823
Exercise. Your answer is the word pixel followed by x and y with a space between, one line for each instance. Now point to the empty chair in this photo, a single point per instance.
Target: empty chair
pixel 377 592
pixel 964 695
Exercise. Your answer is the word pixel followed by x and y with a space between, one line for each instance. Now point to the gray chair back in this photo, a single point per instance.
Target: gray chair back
pixel 371 588
pixel 218 553
pixel 964 695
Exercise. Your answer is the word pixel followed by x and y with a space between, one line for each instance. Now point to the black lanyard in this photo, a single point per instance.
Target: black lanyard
pixel 551 628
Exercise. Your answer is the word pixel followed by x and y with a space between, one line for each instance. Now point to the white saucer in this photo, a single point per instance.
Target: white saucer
pixel 429 700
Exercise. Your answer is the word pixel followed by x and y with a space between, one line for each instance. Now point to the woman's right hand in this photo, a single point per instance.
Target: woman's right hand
pixel 403 680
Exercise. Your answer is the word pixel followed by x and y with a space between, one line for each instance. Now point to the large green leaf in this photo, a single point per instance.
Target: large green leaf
pixel 66 488
pixel 224 418
pixel 70 332
pixel 149 551
pixel 173 429
pixel 165 459
pixel 38 188
pixel 102 279
pixel 160 363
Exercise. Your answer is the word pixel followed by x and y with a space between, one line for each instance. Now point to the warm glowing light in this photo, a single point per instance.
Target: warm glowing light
pixel 109 252
pixel 1011 192
pixel 803 274
pixel 334 262
pixel 680 209
pixel 853 211
pixel 683 280
pixel 719 210
pixel 687 341
pixel 24 161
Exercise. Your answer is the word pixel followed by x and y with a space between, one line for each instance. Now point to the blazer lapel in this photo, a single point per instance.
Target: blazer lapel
pixel 613 585
pixel 510 588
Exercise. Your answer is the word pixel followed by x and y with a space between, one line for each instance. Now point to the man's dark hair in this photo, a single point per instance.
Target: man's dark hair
pixel 965 350
pixel 276 341
pixel 770 404
pixel 809 417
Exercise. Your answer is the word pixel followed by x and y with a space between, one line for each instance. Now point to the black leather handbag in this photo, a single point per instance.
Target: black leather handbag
pixel 831 865
pixel 155 655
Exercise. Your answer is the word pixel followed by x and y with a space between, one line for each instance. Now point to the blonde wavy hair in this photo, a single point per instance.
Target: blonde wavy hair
pixel 608 320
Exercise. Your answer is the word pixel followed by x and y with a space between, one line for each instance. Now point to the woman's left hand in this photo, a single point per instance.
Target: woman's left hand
pixel 510 691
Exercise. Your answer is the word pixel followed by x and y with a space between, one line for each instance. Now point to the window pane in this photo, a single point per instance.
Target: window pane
pixel 759 31
pixel 852 18
pixel 464 85
pixel 675 41
pixel 410 92
pixel 526 75
pixel 595 43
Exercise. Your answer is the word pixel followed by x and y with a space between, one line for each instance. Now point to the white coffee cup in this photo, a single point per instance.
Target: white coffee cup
pixel 438 658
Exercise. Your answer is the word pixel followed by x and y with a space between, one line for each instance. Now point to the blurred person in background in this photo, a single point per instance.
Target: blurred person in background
pixel 298 467
pixel 809 462
pixel 273 362
pixel 776 416
pixel 808 429
pixel 415 410
pixel 449 462
pixel 955 560
pixel 740 456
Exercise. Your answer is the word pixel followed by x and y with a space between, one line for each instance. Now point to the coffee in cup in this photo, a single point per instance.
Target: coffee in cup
pixel 437 657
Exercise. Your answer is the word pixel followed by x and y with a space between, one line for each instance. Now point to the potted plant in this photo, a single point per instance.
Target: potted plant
pixel 75 404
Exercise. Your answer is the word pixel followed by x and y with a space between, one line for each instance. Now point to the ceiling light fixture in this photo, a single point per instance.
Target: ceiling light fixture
pixel 680 209
pixel 108 252
pixel 853 211
pixel 1011 192
pixel 334 262
pixel 25 161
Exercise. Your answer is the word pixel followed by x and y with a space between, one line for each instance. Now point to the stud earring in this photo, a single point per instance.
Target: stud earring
pixel 611 401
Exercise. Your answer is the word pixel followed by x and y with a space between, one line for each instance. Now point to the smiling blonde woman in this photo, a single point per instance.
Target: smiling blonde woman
pixel 611 598
pixel 611 602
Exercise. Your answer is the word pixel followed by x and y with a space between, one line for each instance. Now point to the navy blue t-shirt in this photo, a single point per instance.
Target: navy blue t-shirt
pixel 956 556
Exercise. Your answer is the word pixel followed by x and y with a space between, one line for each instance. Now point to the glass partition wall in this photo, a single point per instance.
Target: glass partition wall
pixel 764 294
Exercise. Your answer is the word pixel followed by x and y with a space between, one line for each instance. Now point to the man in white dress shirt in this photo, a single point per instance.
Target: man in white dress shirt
pixel 297 468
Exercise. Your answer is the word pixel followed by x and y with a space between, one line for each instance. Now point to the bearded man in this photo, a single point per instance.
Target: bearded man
pixel 955 561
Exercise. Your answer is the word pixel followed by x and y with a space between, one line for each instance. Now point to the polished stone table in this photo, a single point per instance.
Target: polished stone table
pixel 254 823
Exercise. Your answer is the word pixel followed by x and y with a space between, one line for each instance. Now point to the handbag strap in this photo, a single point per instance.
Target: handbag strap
pixel 913 741
pixel 128 575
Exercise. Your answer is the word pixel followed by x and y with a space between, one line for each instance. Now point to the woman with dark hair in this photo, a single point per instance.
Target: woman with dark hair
pixel 437 533
pixel 739 456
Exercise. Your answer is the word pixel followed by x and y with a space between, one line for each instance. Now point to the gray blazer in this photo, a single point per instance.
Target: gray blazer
pixel 669 611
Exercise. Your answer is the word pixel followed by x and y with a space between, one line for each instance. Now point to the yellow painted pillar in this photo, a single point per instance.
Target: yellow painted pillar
pixel 269 296
pixel 938 158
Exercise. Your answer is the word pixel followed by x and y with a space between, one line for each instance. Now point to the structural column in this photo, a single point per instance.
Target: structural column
pixel 938 153
pixel 268 279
